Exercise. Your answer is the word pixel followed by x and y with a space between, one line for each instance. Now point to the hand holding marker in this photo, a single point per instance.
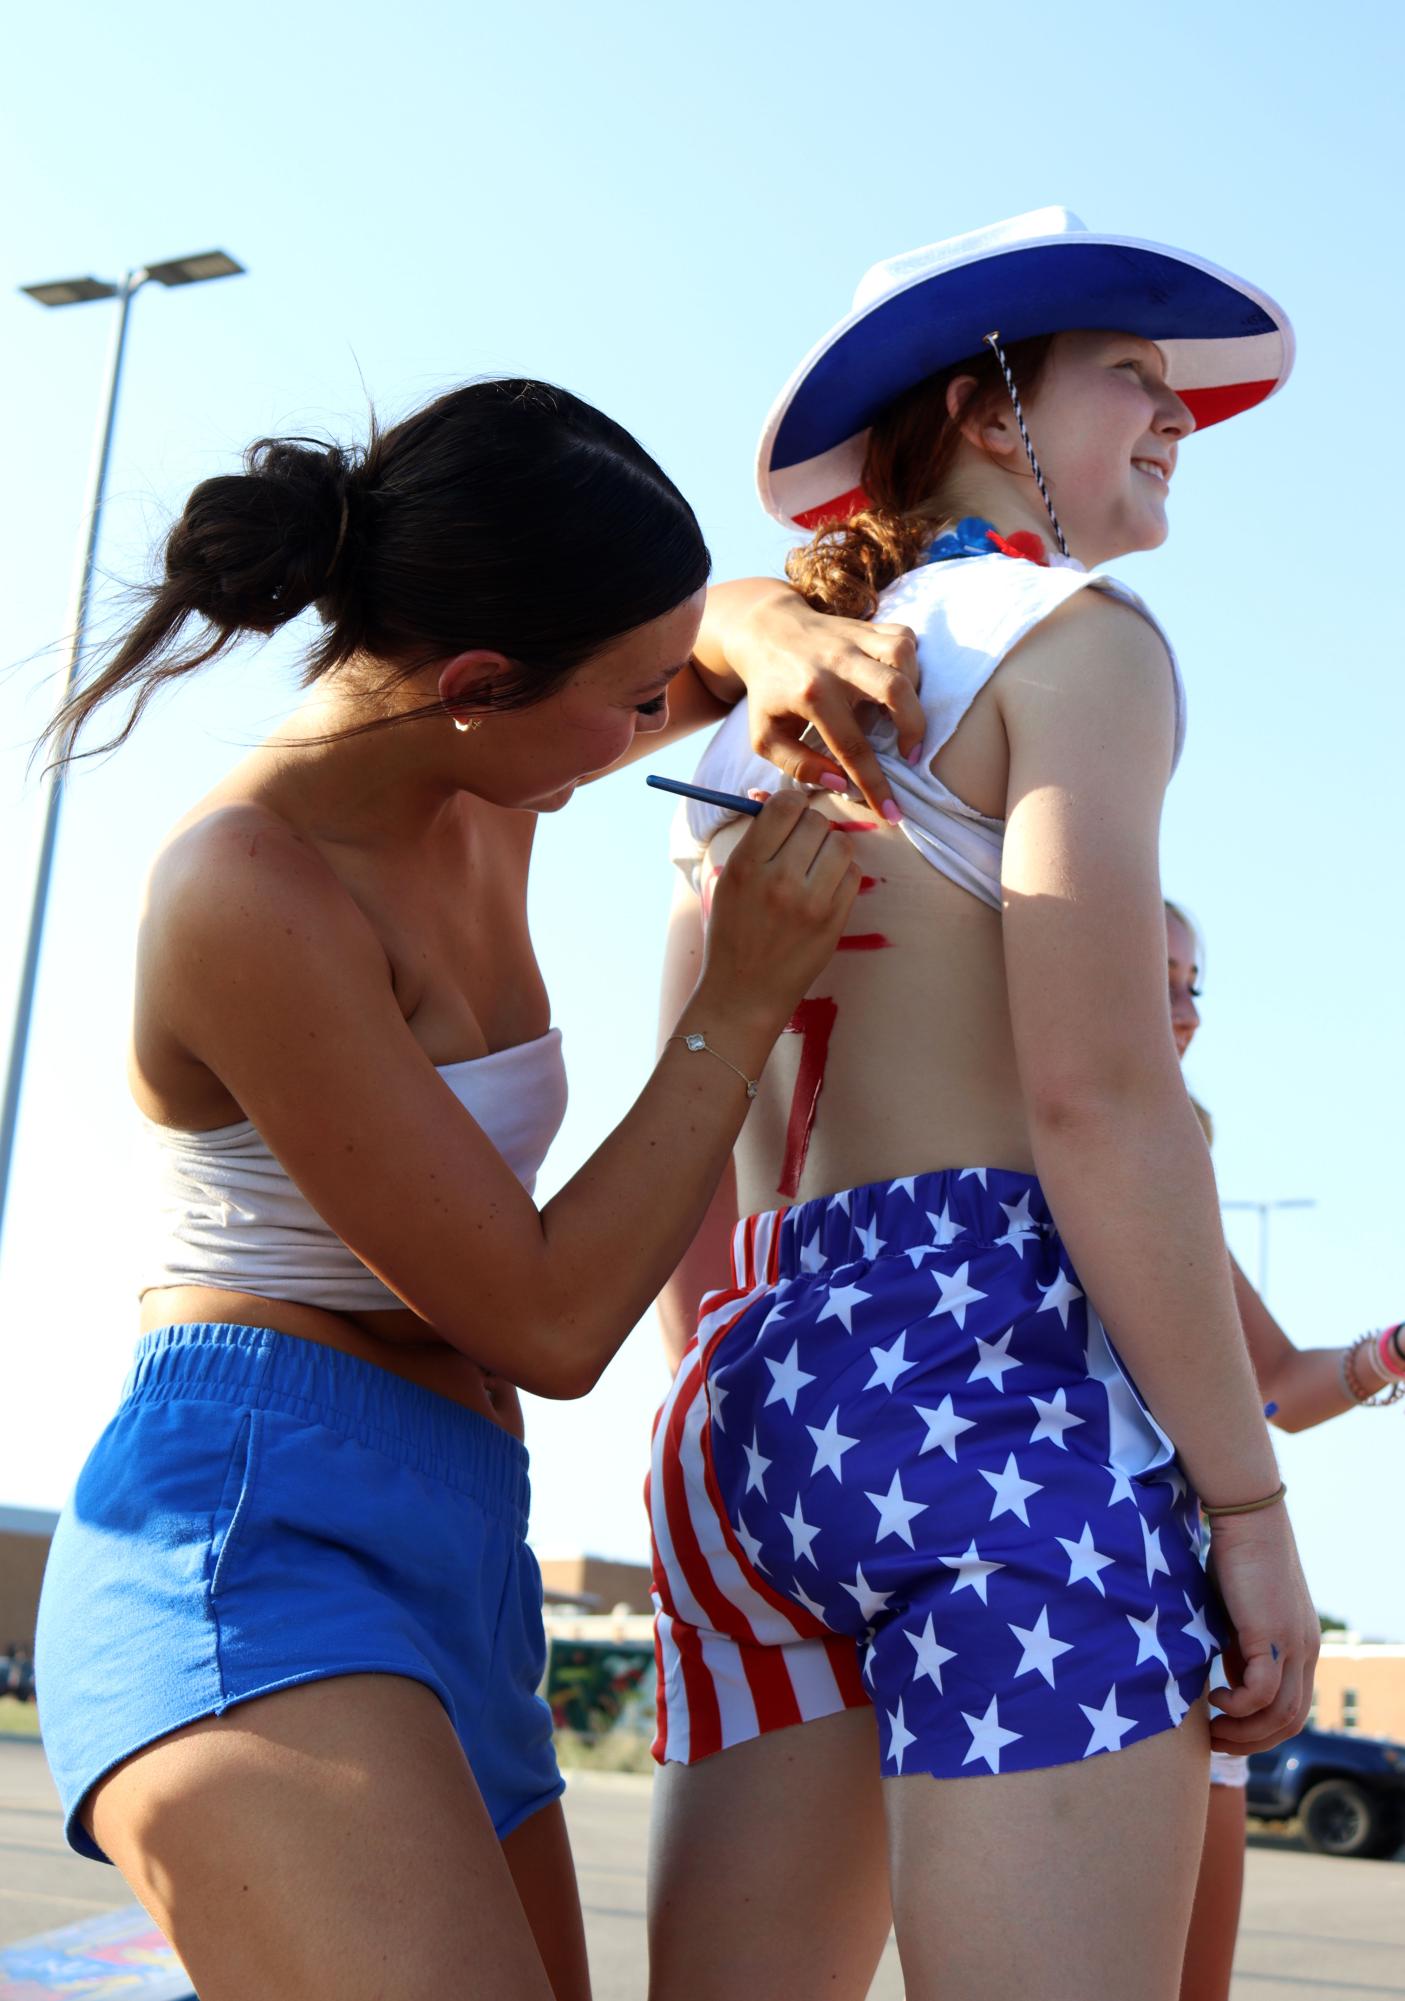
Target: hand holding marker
pixel 732 800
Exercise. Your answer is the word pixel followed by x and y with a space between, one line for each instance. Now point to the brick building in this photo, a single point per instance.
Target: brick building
pixel 1360 1685
pixel 24 1544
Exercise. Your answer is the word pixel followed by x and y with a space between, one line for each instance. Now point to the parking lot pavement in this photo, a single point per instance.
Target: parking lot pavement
pixel 1313 1930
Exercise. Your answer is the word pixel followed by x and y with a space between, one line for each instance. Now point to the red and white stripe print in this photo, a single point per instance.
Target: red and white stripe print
pixel 735 1659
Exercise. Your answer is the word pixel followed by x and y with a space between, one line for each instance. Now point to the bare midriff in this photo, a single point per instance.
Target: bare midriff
pixel 395 1340
pixel 906 1034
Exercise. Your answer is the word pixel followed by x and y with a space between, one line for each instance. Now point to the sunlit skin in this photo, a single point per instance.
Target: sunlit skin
pixel 1106 429
pixel 1183 975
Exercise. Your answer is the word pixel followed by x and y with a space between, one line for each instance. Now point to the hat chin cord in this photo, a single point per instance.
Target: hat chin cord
pixel 992 341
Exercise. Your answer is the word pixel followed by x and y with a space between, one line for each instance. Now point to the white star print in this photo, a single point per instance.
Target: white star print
pixel 840 1305
pixel 995 1360
pixel 1121 1487
pixel 988 1740
pixel 1155 1561
pixel 1176 1704
pixel 1020 1226
pixel 802 1534
pixel 840 1201
pixel 1084 1562
pixel 1149 1648
pixel 974 1174
pixel 974 1572
pixel 908 1184
pixel 830 1446
pixel 1040 1648
pixel 1055 1418
pixel 796 1591
pixel 750 1543
pixel 788 1379
pixel 889 1364
pixel 869 1240
pixel 896 1512
pixel 863 1594
pixel 1108 1727
pixel 1058 1297
pixel 811 1256
pixel 868 1656
pixel 1011 1492
pixel 956 1295
pixel 944 1427
pixel 900 1738
pixel 931 1655
pixel 755 1468
pixel 944 1231
pixel 1197 1628
pixel 716 1396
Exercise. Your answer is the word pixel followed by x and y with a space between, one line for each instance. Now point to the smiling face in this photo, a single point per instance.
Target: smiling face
pixel 1106 429
pixel 1183 975
pixel 535 757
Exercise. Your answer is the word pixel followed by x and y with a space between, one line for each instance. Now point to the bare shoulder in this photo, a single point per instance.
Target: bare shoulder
pixel 1094 641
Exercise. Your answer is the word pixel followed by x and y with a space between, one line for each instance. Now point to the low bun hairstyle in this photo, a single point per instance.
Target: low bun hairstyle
pixel 911 449
pixel 507 515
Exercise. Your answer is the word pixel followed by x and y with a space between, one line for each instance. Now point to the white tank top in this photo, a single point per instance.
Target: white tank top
pixel 227 1214
pixel 968 613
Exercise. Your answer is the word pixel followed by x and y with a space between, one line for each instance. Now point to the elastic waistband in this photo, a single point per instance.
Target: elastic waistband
pixel 258 1369
pixel 966 1207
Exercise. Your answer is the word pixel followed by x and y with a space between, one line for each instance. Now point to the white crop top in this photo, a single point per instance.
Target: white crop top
pixel 967 613
pixel 229 1216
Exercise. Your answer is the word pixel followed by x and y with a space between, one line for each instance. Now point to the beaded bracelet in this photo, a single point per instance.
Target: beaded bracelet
pixel 1377 1397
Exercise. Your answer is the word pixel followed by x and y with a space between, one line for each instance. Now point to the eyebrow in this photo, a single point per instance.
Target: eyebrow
pixel 669 674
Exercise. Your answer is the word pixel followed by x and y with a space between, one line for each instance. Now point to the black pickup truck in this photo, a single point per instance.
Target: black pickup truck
pixel 1348 1791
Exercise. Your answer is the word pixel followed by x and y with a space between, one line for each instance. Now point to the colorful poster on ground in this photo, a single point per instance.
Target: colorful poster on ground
pixel 119 1956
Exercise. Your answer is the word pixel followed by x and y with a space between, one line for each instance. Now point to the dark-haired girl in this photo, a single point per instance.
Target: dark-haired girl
pixel 912 1516
pixel 291 1636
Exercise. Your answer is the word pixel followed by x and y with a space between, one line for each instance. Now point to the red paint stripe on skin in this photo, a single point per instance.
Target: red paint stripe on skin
pixel 859 826
pixel 813 1020
pixel 868 882
pixel 864 941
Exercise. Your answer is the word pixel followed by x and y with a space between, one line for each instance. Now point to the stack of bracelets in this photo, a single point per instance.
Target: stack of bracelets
pixel 1380 1360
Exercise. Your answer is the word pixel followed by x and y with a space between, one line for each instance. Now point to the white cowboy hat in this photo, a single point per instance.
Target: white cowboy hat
pixel 1227 344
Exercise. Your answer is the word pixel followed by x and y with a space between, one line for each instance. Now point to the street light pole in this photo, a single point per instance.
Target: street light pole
pixel 1261 1209
pixel 182 271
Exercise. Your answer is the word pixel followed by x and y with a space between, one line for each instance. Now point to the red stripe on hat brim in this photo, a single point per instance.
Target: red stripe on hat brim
pixel 1212 406
pixel 838 509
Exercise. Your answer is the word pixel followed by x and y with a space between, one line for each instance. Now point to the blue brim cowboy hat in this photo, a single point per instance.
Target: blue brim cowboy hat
pixel 1227 344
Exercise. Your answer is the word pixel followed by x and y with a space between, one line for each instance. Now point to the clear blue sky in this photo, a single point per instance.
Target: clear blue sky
pixel 663 208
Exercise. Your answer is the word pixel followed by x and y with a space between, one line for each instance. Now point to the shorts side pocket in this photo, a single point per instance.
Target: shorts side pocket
pixel 232 1512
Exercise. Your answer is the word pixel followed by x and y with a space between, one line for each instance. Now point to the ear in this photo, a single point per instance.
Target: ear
pixel 467 680
pixel 991 431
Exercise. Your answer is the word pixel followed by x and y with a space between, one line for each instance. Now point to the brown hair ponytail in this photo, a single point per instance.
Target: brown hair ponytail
pixel 911 448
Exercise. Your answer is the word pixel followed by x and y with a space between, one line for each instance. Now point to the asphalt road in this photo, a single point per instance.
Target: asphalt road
pixel 1313 1929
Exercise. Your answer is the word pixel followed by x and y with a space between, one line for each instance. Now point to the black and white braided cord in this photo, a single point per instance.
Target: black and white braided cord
pixel 992 341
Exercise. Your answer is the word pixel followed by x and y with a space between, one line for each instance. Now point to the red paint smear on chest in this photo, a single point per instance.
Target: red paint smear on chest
pixel 864 941
pixel 813 1021
pixel 868 882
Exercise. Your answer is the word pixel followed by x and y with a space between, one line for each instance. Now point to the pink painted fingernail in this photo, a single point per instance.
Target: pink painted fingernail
pixel 832 782
pixel 914 756
pixel 892 813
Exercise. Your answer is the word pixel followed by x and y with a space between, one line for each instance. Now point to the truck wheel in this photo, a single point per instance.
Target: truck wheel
pixel 1340 1818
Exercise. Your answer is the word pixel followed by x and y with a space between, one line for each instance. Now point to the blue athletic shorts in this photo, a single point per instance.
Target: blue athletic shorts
pixel 902 1465
pixel 264 1511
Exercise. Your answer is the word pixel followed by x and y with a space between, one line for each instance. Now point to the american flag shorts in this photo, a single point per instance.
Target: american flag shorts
pixel 901 1465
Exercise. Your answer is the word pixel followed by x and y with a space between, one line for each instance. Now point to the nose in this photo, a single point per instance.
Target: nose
pixel 1185 1015
pixel 1173 418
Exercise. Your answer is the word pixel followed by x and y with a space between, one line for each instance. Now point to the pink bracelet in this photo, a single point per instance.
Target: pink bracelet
pixel 1389 1355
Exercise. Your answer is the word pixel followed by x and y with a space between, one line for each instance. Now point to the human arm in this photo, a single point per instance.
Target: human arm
pixel 1087 708
pixel 265 972
pixel 1303 1386
pixel 705 1264
pixel 797 668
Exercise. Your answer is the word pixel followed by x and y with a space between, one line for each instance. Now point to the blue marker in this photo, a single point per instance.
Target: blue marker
pixel 733 801
pixel 1270 1410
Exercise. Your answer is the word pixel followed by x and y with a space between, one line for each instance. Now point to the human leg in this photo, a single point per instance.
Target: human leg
pixel 1219 1890
pixel 327 1839
pixel 1068 1882
pixel 767 1868
pixel 538 1854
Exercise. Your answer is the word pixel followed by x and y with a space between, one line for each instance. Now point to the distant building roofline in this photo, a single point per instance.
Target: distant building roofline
pixel 28 1521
